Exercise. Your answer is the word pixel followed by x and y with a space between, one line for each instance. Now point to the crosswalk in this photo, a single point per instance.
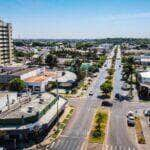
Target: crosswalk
pixel 117 147
pixel 76 144
pixel 66 144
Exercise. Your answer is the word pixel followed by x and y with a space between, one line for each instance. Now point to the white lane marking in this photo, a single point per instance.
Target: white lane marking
pixel 52 145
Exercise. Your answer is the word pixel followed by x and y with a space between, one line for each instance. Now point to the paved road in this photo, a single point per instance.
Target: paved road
pixel 120 135
pixel 78 127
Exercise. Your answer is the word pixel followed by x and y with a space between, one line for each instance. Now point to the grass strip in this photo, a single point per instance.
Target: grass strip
pixel 139 131
pixel 97 134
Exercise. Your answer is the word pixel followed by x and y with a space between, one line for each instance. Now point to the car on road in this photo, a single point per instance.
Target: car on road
pixel 125 86
pixel 118 96
pixel 130 118
pixel 95 75
pixel 107 103
pixel 146 112
pixel 91 93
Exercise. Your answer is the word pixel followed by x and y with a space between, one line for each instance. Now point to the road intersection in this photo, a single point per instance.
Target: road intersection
pixel 119 137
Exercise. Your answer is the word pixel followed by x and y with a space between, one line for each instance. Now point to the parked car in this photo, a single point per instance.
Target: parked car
pixel 146 112
pixel 130 118
pixel 91 93
pixel 131 121
pixel 107 103
pixel 95 75
pixel 130 114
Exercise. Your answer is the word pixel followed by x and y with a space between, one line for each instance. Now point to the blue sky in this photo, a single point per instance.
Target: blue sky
pixel 77 18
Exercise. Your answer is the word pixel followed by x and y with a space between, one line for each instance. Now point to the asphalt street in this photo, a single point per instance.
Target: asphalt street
pixel 74 136
pixel 120 136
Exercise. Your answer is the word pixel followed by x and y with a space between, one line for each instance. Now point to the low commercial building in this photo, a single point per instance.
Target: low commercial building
pixel 30 117
pixel 143 59
pixel 37 79
pixel 144 84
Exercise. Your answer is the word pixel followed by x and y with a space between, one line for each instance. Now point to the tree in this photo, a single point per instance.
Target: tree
pixel 111 71
pixel 101 61
pixel 39 60
pixel 51 60
pixel 128 70
pixel 106 87
pixel 17 84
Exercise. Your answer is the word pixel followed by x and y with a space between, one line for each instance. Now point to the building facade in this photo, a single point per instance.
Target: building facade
pixel 6 43
pixel 143 79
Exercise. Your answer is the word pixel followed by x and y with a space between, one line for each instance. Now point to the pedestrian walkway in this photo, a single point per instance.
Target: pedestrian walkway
pixel 117 147
pixel 135 94
pixel 67 143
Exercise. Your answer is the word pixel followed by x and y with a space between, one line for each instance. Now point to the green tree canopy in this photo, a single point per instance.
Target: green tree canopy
pixel 51 60
pixel 106 87
pixel 17 84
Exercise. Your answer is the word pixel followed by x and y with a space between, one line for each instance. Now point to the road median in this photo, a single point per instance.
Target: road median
pixel 99 125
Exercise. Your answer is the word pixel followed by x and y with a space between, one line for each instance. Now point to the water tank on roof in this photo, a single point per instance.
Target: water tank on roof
pixel 30 109
pixel 63 73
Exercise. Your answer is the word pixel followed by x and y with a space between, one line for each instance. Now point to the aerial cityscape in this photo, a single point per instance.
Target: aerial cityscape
pixel 74 75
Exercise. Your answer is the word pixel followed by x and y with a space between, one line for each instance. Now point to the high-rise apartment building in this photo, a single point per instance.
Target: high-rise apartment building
pixel 6 43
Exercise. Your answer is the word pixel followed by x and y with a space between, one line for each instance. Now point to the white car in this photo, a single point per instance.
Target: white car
pixel 130 119
pixel 91 93
pixel 130 113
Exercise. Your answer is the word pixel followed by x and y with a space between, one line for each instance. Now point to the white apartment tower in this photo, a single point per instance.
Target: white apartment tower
pixel 6 43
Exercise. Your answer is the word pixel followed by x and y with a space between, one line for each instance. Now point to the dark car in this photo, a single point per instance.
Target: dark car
pixel 146 112
pixel 119 96
pixel 107 103
pixel 131 122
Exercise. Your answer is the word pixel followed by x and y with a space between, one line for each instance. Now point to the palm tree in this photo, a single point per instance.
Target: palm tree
pixel 128 70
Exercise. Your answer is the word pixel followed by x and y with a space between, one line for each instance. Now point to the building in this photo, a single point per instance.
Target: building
pixel 145 59
pixel 144 84
pixel 37 79
pixel 30 117
pixel 6 43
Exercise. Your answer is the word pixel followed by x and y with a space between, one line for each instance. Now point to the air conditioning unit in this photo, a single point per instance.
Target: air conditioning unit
pixel 41 101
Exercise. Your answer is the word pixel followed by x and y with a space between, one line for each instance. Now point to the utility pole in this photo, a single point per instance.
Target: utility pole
pixel 8 101
pixel 57 96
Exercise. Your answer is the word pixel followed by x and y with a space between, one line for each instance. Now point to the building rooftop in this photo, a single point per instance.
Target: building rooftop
pixel 16 71
pixel 34 103
pixel 47 118
pixel 145 74
pixel 62 76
